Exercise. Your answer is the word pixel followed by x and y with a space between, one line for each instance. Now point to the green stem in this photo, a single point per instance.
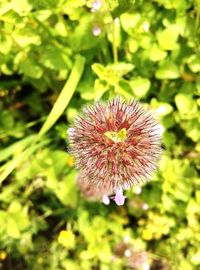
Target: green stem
pixel 114 43
pixel 197 15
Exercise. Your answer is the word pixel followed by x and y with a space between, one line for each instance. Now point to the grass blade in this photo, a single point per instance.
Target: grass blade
pixel 18 146
pixel 7 168
pixel 65 95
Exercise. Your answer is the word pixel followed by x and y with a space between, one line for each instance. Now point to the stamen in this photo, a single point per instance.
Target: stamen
pixel 116 136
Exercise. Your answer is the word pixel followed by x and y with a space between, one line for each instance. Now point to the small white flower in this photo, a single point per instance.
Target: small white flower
pixel 127 253
pixel 146 266
pixel 105 199
pixel 146 26
pixel 96 5
pixel 138 190
pixel 145 206
pixel 127 239
pixel 96 31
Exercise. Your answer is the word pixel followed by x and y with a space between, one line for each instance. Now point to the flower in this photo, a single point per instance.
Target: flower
pixel 121 249
pixel 67 239
pixel 138 260
pixel 96 30
pixel 115 145
pixel 96 5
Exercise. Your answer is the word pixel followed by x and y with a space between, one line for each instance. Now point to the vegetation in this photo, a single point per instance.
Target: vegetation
pixel 57 56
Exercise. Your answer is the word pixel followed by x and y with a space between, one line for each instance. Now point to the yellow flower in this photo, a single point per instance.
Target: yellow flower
pixel 147 235
pixel 3 255
pixel 70 161
pixel 67 239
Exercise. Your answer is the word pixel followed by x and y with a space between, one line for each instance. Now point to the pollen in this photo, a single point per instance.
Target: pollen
pixel 116 136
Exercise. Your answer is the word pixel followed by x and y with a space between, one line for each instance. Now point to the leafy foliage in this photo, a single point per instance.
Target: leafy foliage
pixel 56 56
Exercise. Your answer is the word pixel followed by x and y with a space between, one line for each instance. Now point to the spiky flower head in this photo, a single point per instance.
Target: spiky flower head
pixel 115 144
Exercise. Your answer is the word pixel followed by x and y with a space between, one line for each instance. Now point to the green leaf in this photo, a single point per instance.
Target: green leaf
pixel 23 7
pixel 31 69
pixel 55 58
pixel 9 16
pixel 6 45
pixel 161 108
pixel 185 103
pixel 113 72
pixel 67 190
pixel 82 38
pixel 194 63
pixel 25 37
pixel 71 113
pixel 12 229
pixel 130 21
pixel 167 39
pixel 8 167
pixel 195 259
pixel 140 86
pixel 5 8
pixel 43 15
pixel 169 139
pixel 19 214
pixel 123 88
pixel 104 253
pixel 193 129
pixel 156 54
pixel 121 68
pixel 118 7
pixel 167 70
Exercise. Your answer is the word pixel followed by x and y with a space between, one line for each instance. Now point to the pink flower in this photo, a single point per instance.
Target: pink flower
pixel 96 5
pixel 96 30
pixel 116 145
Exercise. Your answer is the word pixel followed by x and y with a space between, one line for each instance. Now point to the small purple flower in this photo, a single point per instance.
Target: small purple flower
pixel 96 30
pixel 116 145
pixel 96 5
pixel 119 198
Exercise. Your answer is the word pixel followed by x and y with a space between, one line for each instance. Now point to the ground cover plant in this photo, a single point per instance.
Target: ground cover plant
pixel 56 57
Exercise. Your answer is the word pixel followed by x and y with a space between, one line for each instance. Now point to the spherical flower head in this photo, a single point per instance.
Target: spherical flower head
pixel 116 145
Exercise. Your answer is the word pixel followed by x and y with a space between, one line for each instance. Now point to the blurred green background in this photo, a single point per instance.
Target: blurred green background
pixel 56 56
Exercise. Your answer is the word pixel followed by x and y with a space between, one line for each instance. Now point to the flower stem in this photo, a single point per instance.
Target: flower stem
pixel 197 15
pixel 114 43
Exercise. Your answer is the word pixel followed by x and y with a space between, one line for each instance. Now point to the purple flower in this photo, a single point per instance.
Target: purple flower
pixel 96 30
pixel 96 5
pixel 116 145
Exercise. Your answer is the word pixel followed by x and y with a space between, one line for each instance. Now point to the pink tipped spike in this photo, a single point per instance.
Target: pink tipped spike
pixel 119 197
pixel 105 199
